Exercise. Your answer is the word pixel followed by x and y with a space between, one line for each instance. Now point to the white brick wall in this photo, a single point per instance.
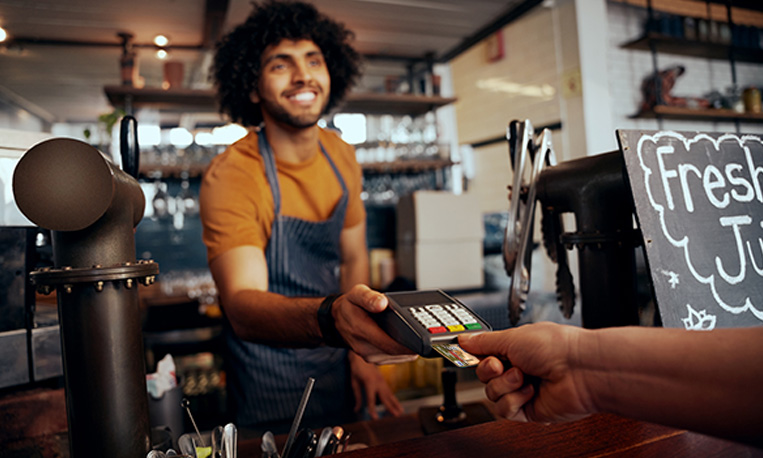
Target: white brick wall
pixel 629 67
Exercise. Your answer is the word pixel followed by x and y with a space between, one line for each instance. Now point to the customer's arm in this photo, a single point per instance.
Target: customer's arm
pixel 707 381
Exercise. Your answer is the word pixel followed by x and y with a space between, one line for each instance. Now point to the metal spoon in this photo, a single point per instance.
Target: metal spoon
pixel 268 446
pixel 230 440
pixel 187 447
pixel 323 441
pixel 217 442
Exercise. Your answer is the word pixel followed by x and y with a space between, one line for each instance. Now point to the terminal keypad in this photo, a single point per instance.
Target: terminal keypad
pixel 447 317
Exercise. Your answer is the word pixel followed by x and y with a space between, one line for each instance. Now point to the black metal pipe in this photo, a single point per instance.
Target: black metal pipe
pixel 105 371
pixel 595 190
pixel 91 207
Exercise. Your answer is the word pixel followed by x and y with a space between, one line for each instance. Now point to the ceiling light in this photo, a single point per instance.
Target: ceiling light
pixel 161 54
pixel 161 41
pixel 3 34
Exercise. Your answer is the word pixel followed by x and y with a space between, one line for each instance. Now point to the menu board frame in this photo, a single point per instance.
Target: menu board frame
pixel 699 204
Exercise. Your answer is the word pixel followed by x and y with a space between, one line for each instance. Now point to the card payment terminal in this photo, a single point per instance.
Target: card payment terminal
pixel 421 319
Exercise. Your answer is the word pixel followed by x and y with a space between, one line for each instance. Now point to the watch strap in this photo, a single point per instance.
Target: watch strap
pixel 331 336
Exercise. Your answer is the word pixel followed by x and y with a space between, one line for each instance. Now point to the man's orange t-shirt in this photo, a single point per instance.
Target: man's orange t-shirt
pixel 236 202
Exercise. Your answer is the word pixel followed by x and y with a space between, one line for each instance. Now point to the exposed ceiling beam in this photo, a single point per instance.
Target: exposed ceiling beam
pixel 510 16
pixel 21 41
pixel 214 18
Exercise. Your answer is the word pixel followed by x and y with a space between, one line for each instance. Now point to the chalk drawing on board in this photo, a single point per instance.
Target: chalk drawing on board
pixel 666 206
pixel 672 277
pixel 698 320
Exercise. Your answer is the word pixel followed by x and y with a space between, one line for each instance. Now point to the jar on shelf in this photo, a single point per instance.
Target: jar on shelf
pixel 751 97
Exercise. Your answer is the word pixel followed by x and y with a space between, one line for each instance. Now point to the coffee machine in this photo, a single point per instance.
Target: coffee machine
pixel 596 192
pixel 91 207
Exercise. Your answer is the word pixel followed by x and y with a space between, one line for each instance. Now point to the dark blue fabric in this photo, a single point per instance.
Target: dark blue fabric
pixel 265 383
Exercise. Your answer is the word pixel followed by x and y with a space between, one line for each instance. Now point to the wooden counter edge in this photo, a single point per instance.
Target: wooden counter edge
pixel 597 435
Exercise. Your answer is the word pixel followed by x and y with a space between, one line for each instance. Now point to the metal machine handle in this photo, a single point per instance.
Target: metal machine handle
pixel 536 154
pixel 128 146
pixel 520 154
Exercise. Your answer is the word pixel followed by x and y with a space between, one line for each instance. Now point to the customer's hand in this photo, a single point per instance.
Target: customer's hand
pixel 367 380
pixel 365 337
pixel 541 382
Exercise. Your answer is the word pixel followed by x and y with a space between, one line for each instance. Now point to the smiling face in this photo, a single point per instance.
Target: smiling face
pixel 294 84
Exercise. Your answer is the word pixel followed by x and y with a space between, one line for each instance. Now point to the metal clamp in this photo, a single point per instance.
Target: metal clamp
pixel 46 278
pixel 598 239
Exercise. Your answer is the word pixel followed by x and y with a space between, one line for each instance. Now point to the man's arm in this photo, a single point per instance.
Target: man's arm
pixel 365 377
pixel 354 252
pixel 241 277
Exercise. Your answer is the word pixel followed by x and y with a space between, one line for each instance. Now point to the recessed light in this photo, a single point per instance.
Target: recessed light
pixel 161 54
pixel 3 34
pixel 161 40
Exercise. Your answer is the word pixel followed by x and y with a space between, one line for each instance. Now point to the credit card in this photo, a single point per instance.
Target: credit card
pixel 456 355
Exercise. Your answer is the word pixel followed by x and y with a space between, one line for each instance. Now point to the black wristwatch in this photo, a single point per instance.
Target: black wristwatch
pixel 327 325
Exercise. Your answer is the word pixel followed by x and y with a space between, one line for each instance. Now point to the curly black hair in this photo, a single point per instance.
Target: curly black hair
pixel 236 68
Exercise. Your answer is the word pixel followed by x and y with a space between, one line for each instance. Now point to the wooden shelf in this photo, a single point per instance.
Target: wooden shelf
pixel 172 171
pixel 203 100
pixel 167 100
pixel 196 170
pixel 394 104
pixel 668 112
pixel 420 165
pixel 748 10
pixel 755 5
pixel 692 48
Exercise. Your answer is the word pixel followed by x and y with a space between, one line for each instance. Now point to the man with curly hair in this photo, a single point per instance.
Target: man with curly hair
pixel 285 230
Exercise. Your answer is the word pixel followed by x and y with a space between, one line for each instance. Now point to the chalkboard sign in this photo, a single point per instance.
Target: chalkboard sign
pixel 699 204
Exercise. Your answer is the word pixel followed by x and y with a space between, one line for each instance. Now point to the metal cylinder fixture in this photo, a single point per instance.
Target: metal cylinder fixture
pixel 595 189
pixel 92 207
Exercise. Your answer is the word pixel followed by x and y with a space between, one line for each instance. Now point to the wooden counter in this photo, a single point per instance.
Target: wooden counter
pixel 598 435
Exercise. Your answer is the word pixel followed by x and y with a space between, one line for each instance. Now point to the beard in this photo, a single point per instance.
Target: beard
pixel 299 121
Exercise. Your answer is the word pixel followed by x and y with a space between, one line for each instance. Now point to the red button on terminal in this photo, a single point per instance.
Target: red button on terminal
pixel 437 330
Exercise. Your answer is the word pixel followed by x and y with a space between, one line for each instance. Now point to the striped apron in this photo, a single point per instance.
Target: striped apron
pixel 265 383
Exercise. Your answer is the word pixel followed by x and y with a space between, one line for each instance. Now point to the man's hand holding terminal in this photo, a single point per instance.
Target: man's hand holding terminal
pixel 361 333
